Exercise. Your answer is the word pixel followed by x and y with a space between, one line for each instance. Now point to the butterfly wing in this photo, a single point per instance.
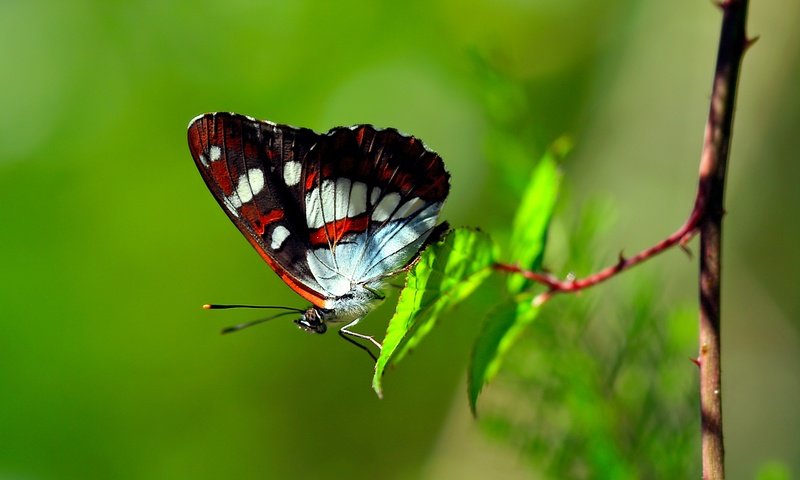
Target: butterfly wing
pixel 326 212
pixel 372 197
pixel 254 170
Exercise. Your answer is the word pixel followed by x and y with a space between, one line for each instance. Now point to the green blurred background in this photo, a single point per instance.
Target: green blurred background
pixel 111 242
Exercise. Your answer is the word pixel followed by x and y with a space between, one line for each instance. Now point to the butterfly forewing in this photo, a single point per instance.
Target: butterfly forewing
pixel 245 164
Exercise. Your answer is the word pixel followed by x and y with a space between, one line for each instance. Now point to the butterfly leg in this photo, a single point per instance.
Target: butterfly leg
pixel 362 347
pixel 346 331
pixel 378 295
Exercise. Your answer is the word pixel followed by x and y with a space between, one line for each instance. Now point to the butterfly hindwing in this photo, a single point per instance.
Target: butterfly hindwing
pixel 372 198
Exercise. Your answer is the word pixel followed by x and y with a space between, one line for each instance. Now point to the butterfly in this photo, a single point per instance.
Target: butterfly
pixel 335 215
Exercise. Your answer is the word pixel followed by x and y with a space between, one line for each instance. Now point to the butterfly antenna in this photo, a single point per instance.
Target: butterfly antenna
pixel 216 306
pixel 242 326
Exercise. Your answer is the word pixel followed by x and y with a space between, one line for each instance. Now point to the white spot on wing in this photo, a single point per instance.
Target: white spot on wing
pixel 386 206
pixel 335 201
pixel 291 173
pixel 279 235
pixel 409 208
pixel 373 196
pixel 203 160
pixel 342 198
pixel 313 211
pixel 256 177
pixel 358 200
pixel 230 205
pixel 319 205
pixel 243 189
pixel 214 153
pixel 326 197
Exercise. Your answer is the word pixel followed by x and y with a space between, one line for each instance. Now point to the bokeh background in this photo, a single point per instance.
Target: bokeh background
pixel 109 241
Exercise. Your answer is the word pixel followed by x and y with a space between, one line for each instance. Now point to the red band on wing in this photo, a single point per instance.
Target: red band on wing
pixel 334 231
pixel 301 289
pixel 327 172
pixel 219 171
pixel 311 177
pixel 260 221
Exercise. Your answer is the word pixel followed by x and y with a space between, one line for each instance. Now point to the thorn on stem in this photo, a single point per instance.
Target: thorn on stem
pixel 696 361
pixel 686 250
pixel 621 259
pixel 540 299
pixel 685 239
pixel 748 42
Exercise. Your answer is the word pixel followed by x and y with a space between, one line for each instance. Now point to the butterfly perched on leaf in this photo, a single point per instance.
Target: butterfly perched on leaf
pixel 333 214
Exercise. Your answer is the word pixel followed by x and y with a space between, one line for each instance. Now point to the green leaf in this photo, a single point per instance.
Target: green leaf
pixel 535 211
pixel 446 273
pixel 500 330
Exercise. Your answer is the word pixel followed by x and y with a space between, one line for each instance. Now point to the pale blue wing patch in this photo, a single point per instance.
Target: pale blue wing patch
pixel 395 243
pixel 323 266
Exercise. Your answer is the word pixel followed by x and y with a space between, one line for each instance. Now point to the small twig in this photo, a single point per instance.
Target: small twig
pixel 571 285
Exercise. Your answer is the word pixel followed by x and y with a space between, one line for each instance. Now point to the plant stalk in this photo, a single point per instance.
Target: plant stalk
pixel 713 167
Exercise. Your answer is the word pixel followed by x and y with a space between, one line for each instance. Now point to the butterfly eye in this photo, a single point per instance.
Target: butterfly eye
pixel 311 326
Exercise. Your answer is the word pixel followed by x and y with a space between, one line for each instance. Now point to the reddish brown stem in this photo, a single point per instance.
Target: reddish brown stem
pixel 681 236
pixel 713 167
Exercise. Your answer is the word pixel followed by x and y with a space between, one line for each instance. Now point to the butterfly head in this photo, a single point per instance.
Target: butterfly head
pixel 312 321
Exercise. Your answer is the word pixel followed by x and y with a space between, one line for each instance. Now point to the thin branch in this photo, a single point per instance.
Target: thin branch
pixel 681 237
